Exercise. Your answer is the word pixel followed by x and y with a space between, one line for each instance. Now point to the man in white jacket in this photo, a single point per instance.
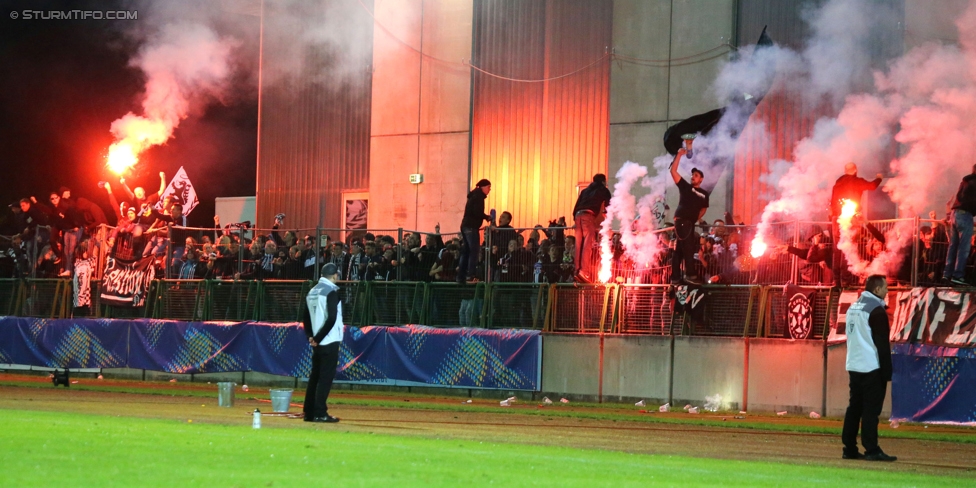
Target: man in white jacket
pixel 324 328
pixel 869 367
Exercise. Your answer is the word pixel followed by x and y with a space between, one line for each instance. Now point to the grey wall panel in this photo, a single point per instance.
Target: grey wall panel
pixel 314 119
pixel 571 364
pixel 697 26
pixel 785 375
pixel 636 367
pixel 639 89
pixel 706 366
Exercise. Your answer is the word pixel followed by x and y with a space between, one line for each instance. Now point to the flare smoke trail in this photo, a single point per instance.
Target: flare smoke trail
pixel 191 53
pixel 183 63
pixel 924 100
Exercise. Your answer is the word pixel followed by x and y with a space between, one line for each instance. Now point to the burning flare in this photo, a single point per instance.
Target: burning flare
pixel 606 261
pixel 758 247
pixel 847 211
pixel 135 134
pixel 121 157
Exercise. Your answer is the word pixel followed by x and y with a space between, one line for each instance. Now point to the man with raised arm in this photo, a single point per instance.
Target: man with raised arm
pixel 692 204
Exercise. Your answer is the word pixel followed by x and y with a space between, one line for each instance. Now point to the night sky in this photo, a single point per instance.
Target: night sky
pixel 63 82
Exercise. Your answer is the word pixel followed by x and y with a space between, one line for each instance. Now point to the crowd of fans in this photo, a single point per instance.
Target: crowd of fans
pixel 61 234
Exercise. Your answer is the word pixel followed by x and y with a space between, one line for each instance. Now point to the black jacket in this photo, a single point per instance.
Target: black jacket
pixel 474 210
pixel 965 198
pixel 850 187
pixel 594 198
pixel 878 321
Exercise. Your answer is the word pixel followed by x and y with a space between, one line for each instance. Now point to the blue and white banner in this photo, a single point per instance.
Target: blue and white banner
pixel 471 358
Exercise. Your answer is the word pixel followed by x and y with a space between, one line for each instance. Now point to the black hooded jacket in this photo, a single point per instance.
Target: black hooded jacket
pixel 474 210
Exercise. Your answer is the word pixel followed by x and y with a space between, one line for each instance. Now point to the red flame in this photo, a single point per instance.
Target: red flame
pixel 758 247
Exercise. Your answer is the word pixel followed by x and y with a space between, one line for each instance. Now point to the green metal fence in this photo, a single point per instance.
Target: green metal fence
pixel 281 301
pixel 451 305
pixel 517 305
pixel 9 293
pixel 753 311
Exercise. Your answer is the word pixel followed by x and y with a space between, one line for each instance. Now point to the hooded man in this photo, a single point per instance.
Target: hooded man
pixel 474 215
pixel 324 328
pixel 590 210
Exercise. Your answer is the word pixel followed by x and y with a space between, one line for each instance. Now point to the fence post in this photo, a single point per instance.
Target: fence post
pixel 485 253
pixel 399 255
pixel 240 251
pixel 915 252
pixel 100 266
pixel 794 259
pixel 318 253
pixel 168 262
pixel 34 243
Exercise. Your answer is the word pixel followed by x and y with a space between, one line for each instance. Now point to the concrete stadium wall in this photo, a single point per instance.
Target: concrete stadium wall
pixel 706 366
pixel 646 98
pixel 571 365
pixel 636 367
pixel 782 374
pixel 785 375
pixel 420 114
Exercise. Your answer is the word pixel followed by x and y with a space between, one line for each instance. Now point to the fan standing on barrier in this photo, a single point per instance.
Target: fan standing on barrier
pixel 869 368
pixel 692 204
pixel 848 187
pixel 324 328
pixel 590 210
pixel 474 215
pixel 963 207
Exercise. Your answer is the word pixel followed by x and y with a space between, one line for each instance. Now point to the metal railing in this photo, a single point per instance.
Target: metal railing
pixel 723 257
pixel 726 310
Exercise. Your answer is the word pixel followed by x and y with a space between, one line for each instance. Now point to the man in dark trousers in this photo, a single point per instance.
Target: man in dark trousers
pixel 324 328
pixel 848 187
pixel 963 207
pixel 692 204
pixel 474 215
pixel 869 367
pixel 589 212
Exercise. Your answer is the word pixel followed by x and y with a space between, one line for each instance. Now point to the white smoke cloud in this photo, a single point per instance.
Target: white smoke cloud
pixel 921 106
pixel 319 41
pixel 194 54
pixel 183 64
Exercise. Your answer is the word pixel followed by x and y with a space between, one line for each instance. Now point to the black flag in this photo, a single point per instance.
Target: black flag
pixel 744 103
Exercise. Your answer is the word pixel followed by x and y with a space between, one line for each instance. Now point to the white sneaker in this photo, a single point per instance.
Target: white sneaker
pixel 546 401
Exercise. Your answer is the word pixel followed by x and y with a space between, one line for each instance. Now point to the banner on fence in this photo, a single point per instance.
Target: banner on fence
pixel 470 358
pixel 799 311
pixel 933 384
pixel 935 316
pixel 126 284
pixel 691 300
